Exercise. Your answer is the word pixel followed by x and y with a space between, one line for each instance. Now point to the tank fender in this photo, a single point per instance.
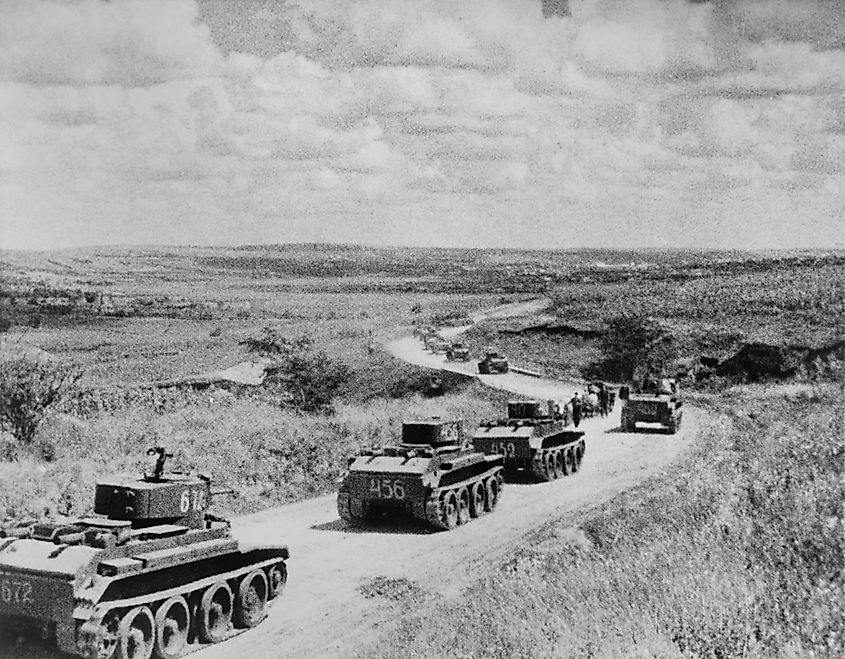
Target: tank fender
pixel 88 608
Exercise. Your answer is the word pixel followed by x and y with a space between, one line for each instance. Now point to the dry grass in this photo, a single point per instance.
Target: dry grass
pixel 737 554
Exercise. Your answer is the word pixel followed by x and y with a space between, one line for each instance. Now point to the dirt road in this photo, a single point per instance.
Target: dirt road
pixel 323 614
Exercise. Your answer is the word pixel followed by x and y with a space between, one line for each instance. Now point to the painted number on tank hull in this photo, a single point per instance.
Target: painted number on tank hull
pixel 386 488
pixel 15 591
pixel 508 449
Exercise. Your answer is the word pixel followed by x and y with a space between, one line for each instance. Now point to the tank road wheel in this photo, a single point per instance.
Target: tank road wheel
pixel 172 620
pixel 251 601
pixel 463 505
pixel 98 637
pixel 492 493
pixel 277 577
pixel 477 500
pixel 450 510
pixel 559 459
pixel 576 463
pixel 136 634
pixel 214 613
pixel 566 461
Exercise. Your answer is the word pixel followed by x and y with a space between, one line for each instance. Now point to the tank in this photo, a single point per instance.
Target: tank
pixel 533 439
pixel 433 476
pixel 150 573
pixel 493 362
pixel 457 352
pixel 652 401
pixel 439 346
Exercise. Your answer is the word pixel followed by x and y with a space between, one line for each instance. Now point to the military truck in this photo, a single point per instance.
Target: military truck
pixel 150 572
pixel 534 439
pixel 493 362
pixel 457 352
pixel 652 401
pixel 433 476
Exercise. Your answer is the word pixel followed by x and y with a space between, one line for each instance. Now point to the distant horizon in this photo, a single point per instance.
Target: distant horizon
pixel 164 246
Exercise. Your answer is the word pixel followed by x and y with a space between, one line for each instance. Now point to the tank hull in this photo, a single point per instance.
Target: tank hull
pixel 87 600
pixel 542 454
pixel 652 409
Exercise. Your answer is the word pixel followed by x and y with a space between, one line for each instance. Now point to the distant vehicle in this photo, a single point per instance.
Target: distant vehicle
pixel 431 339
pixel 433 475
pixel 440 346
pixel 152 572
pixel 652 401
pixel 533 438
pixel 493 362
pixel 423 331
pixel 457 352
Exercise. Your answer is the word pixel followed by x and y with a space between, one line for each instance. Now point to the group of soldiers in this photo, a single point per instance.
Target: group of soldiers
pixel 598 397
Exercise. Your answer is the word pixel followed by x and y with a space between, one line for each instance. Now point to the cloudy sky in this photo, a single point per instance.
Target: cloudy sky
pixel 632 123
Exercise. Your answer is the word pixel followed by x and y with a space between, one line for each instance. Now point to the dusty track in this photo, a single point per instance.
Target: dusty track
pixel 322 613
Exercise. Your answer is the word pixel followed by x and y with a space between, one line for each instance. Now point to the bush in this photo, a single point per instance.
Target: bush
pixel 310 377
pixel 28 388
pixel 635 347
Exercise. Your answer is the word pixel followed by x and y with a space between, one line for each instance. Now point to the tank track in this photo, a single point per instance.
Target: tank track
pixel 240 600
pixel 557 461
pixel 460 503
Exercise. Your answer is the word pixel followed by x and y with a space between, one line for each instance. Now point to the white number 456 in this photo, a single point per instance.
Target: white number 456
pixel 385 488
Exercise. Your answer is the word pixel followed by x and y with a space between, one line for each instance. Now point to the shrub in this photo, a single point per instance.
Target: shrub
pixel 636 347
pixel 310 377
pixel 28 388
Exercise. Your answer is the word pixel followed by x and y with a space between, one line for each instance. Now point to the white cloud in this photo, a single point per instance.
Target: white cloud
pixel 418 122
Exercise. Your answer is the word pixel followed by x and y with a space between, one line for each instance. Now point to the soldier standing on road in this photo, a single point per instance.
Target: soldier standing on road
pixel 604 401
pixel 576 409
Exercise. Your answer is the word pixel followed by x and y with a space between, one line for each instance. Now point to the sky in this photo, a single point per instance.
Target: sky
pixel 630 123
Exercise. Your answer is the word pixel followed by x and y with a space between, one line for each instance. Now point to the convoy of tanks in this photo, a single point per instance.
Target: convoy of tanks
pixel 152 573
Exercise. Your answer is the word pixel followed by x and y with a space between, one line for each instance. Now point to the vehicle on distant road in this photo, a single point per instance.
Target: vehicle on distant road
pixel 493 362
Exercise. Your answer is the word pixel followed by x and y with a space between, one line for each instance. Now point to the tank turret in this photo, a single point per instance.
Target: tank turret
pixel 433 432
pixel 155 498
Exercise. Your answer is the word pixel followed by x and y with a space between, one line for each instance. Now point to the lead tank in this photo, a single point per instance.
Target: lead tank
pixel 152 573
pixel 433 475
pixel 534 439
